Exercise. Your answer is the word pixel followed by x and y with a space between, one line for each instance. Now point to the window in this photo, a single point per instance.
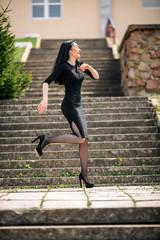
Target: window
pixel 46 9
pixel 151 3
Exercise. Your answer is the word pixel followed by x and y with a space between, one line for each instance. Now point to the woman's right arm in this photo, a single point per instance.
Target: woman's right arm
pixel 44 103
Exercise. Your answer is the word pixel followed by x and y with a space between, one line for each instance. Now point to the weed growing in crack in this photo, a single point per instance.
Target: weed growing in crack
pixel 38 175
pixel 72 174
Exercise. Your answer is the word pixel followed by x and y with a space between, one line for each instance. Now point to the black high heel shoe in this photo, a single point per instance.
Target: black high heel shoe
pixel 38 148
pixel 82 179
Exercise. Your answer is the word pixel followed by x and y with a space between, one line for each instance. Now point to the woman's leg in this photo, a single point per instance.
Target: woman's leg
pixel 65 138
pixel 77 139
pixel 83 153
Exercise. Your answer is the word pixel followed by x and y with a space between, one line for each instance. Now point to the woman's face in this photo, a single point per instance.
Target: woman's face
pixel 75 51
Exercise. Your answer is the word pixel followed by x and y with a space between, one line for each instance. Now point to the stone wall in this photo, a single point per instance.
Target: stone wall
pixel 140 60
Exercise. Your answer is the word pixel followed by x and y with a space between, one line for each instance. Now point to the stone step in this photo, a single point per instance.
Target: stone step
pixel 106 72
pixel 51 212
pixel 82 43
pixel 37 86
pixel 60 125
pixel 105 79
pixel 74 171
pixel 92 145
pixel 103 71
pixel 48 68
pixel 108 62
pixel 93 138
pixel 96 232
pixel 52 209
pixel 54 104
pixel 100 63
pixel 86 58
pixel 34 87
pixel 96 153
pixel 89 89
pixel 87 111
pixel 74 181
pixel 97 93
pixel 107 100
pixel 110 93
pixel 96 130
pixel 74 162
pixel 85 52
pixel 90 117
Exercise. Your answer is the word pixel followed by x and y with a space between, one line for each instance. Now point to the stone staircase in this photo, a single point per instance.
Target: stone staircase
pixel 124 143
pixel 124 149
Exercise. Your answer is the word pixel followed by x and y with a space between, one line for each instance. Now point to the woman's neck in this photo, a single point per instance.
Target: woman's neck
pixel 72 61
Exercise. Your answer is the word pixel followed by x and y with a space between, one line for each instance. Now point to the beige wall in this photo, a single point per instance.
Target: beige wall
pixel 81 19
pixel 126 12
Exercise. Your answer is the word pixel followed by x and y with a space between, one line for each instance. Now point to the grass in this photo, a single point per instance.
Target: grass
pixel 19 54
pixel 72 174
pixel 20 51
pixel 32 40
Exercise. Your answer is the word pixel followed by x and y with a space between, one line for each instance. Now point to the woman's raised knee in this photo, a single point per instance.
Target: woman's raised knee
pixel 83 140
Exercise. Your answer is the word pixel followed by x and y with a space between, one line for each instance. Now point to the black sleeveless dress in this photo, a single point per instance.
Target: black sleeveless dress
pixel 72 78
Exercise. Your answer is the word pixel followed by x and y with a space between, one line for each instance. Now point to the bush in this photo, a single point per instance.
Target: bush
pixel 12 81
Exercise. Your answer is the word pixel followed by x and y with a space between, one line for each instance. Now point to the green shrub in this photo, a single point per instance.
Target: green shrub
pixel 13 81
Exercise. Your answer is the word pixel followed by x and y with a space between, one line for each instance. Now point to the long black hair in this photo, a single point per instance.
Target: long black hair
pixel 63 56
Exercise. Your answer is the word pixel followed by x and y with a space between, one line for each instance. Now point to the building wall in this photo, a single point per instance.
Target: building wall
pixel 126 12
pixel 81 19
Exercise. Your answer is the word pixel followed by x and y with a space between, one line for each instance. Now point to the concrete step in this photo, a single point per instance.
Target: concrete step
pixel 87 87
pixel 81 232
pixel 122 180
pixel 100 63
pixel 105 99
pixel 134 201
pixel 97 93
pixel 74 171
pixel 90 117
pixel 61 125
pixel 104 52
pixel 56 105
pixel 102 73
pixel 96 130
pixel 92 145
pixel 79 221
pixel 96 153
pixel 92 138
pixel 85 57
pixel 74 162
pixel 82 43
pixel 107 68
pixel 87 111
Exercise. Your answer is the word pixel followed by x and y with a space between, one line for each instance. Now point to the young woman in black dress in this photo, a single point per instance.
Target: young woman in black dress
pixel 69 71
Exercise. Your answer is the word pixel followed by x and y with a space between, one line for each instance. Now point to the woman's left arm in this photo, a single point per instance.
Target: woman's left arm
pixel 85 66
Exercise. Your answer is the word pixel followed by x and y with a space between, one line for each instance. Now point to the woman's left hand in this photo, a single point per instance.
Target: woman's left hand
pixel 83 67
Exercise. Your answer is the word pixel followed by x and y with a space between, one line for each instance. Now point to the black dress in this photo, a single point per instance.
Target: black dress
pixel 72 78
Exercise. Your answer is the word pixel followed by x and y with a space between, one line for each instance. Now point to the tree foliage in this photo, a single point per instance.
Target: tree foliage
pixel 13 81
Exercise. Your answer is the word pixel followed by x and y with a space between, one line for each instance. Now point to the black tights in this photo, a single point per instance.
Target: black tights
pixel 70 138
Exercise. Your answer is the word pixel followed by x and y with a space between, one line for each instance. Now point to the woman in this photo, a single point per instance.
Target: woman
pixel 69 70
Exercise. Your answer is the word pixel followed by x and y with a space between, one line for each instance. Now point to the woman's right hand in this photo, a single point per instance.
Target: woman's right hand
pixel 42 107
